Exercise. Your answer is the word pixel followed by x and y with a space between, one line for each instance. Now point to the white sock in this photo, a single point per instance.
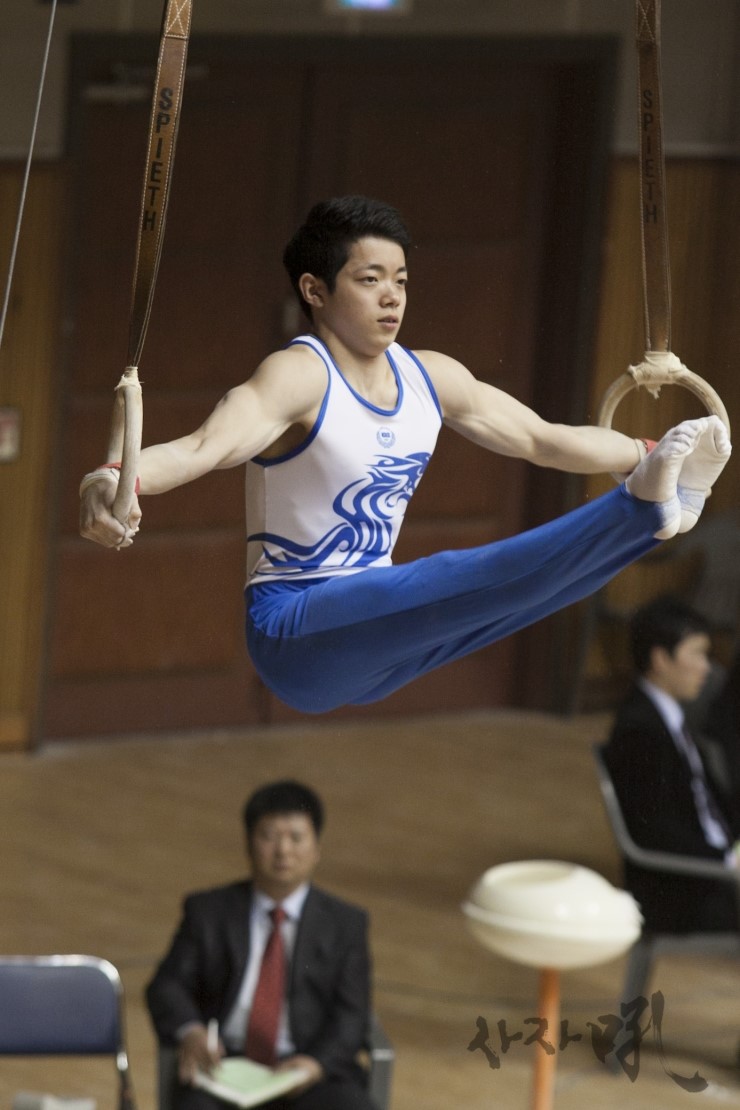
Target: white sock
pixel 701 469
pixel 656 477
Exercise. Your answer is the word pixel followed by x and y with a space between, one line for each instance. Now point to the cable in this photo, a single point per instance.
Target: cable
pixel 29 159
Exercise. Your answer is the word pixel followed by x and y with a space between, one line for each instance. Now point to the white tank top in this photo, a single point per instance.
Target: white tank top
pixel 335 504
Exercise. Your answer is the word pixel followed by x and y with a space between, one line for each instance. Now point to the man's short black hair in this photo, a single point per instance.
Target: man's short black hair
pixel 283 797
pixel 664 622
pixel 322 244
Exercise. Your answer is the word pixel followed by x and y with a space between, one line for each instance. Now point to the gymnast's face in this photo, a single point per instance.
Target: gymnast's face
pixel 365 309
pixel 284 852
pixel 683 672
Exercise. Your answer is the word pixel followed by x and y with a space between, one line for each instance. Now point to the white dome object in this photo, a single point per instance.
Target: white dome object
pixel 547 913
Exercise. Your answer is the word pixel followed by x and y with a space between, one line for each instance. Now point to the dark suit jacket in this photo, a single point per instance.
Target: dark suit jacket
pixel 653 784
pixel 329 987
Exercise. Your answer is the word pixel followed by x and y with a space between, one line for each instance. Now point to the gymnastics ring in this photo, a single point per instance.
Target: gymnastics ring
pixel 125 440
pixel 658 369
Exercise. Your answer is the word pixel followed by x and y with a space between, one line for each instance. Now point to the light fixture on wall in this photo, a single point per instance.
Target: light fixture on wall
pixel 381 7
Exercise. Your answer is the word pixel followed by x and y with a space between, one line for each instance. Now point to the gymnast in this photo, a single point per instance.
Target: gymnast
pixel 336 431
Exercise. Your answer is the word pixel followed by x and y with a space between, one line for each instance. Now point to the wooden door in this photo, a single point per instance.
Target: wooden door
pixel 153 637
pixel 461 139
pixel 463 148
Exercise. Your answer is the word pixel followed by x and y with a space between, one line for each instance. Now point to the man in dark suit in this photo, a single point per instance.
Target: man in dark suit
pixel 282 966
pixel 664 784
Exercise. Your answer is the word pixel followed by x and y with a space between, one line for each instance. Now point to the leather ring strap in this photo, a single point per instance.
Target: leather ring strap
pixel 655 257
pixel 163 128
pixel 125 438
pixel 660 366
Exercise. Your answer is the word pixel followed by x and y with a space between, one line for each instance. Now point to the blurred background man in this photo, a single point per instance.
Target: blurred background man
pixel 664 783
pixel 282 966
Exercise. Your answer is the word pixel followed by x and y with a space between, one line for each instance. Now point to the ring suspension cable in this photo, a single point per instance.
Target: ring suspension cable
pixel 29 160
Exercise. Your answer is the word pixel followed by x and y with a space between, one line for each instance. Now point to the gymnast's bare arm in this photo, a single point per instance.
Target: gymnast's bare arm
pixel 276 406
pixel 495 420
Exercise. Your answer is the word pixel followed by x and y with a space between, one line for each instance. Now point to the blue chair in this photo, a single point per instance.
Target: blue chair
pixel 64 1006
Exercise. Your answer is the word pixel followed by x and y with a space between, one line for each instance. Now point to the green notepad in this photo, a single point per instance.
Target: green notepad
pixel 244 1083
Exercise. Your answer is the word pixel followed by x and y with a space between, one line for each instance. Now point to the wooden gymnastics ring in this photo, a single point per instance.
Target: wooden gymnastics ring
pixel 124 443
pixel 125 440
pixel 660 368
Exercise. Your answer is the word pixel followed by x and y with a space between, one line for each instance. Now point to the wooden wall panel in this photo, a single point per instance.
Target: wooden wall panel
pixel 154 638
pixel 29 363
pixel 704 229
pixel 703 218
pixel 704 236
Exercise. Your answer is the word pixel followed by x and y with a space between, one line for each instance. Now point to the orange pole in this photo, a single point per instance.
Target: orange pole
pixel 543 1087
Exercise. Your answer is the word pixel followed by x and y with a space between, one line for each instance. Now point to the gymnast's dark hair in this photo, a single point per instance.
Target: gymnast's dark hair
pixel 322 244
pixel 664 622
pixel 283 797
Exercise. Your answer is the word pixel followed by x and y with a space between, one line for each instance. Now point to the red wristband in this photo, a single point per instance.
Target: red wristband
pixel 117 466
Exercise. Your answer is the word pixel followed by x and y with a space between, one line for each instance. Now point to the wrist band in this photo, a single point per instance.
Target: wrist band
pixel 108 472
pixel 117 466
pixel 644 446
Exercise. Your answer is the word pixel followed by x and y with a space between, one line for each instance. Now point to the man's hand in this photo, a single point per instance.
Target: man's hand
pixel 194 1054
pixel 307 1064
pixel 96 520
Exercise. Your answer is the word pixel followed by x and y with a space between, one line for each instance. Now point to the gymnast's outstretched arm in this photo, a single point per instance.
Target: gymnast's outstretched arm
pixel 495 420
pixel 285 391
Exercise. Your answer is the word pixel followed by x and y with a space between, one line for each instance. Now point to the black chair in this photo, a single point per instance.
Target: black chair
pixel 651 945
pixel 64 1006
pixel 382 1058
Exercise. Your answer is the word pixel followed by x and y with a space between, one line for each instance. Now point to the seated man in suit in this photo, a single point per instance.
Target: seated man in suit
pixel 282 966
pixel 664 784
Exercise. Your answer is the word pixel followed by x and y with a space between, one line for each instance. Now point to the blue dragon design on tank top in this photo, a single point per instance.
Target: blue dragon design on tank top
pixel 368 510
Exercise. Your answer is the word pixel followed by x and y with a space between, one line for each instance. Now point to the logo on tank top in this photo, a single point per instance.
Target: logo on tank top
pixel 385 437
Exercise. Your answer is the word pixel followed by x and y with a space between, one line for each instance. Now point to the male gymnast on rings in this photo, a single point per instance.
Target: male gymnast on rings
pixel 336 431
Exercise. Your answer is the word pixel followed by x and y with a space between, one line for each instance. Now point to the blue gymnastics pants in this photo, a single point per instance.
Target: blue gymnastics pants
pixel 355 639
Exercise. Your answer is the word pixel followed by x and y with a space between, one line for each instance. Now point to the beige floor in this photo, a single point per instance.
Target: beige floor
pixel 101 840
